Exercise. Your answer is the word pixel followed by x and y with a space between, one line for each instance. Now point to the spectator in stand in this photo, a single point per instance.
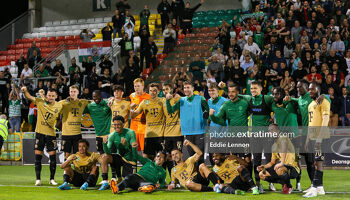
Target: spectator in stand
pixel 15 109
pixel 328 83
pixel 122 6
pixel 314 76
pixel 238 73
pixel 129 28
pixel 215 68
pixel 58 69
pixel 286 82
pixel 338 75
pixel 144 16
pixel 86 94
pixel 130 72
pixel 144 35
pixel 338 46
pixel 228 68
pixel 48 66
pixel 42 72
pixel 136 59
pixel 164 10
pixel 61 87
pixel 118 22
pixel 151 51
pixel 107 32
pixel 88 65
pixel 86 35
pixel 235 46
pixel 92 80
pixel 105 63
pixel 39 87
pixel 294 62
pixel 347 60
pixel 177 7
pixel 104 84
pixel 4 85
pixel 34 59
pixel 187 16
pixel 335 107
pixel 273 75
pixel 26 74
pixel 219 56
pixel 20 64
pixel 31 49
pixel 129 18
pixel 216 46
pixel 197 67
pixel 299 73
pixel 169 39
pixel 252 47
pixel 74 68
pixel 247 64
pixel 344 112
pixel 126 45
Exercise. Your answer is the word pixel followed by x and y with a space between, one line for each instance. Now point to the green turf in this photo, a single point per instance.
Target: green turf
pixel 19 184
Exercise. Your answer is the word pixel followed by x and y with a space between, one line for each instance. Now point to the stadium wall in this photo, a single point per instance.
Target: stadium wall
pixel 53 10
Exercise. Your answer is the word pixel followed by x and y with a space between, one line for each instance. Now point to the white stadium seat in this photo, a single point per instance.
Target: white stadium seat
pixel 68 33
pixel 56 23
pixel 101 25
pixel 81 21
pixel 107 19
pixel 51 34
pixel 92 26
pixel 75 27
pixel 64 22
pixel 49 23
pixel 26 35
pixel 76 32
pixel 50 29
pixel 90 20
pixel 43 29
pixel 98 20
pixel 36 30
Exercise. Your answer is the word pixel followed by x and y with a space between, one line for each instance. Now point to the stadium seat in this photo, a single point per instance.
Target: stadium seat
pixel 50 29
pixel 19 51
pixel 98 20
pixel 92 26
pixel 70 37
pixel 11 58
pixel 36 30
pixel 107 19
pixel 76 32
pixel 43 34
pixel 2 58
pixel 66 33
pixel 73 21
pixel 44 44
pixel 48 23
pixel 56 23
pixel 64 22
pixel 81 21
pixel 27 45
pixel 51 34
pixel 75 27
pixel 19 46
pixel 101 25
pixel 90 20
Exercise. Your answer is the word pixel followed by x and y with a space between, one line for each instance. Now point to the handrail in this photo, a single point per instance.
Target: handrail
pixel 51 56
pixel 14 20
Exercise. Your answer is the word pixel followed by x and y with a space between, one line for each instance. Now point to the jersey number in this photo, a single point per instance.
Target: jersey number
pixel 184 175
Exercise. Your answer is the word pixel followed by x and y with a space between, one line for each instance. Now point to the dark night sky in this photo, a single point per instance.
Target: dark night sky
pixel 12 9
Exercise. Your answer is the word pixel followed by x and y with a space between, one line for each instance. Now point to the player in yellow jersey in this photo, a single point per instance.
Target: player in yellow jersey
pixel 233 174
pixel 317 137
pixel 119 106
pixel 71 112
pixel 45 135
pixel 138 124
pixel 185 172
pixel 173 138
pixel 85 173
pixel 155 121
pixel 284 162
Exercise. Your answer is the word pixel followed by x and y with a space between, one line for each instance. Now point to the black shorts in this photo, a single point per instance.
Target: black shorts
pixel 293 173
pixel 79 179
pixel 171 143
pixel 153 145
pixel 319 153
pixel 238 183
pixel 129 167
pixel 70 143
pixel 200 179
pixel 42 140
pixel 99 145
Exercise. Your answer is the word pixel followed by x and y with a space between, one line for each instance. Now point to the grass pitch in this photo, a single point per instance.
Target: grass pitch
pixel 17 182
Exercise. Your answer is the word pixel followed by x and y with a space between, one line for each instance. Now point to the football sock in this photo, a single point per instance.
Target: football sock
pixel 38 166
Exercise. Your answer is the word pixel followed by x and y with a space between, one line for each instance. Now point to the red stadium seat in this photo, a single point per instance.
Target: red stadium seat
pixel 45 50
pixel 38 44
pixel 53 44
pixel 19 41
pixel 11 52
pixel 51 38
pixel 3 58
pixel 44 44
pixel 70 37
pixel 17 56
pixel 11 58
pixel 19 46
pixel 19 51
pixel 43 39
pixel 27 45
pixel 3 53
pixel 61 38
pixel 27 40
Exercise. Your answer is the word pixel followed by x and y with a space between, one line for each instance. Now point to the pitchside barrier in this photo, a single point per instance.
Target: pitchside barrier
pixel 337 147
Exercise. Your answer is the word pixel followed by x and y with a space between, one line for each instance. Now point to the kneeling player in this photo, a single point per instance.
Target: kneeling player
pixel 85 173
pixel 187 175
pixel 233 173
pixel 283 165
pixel 152 175
pixel 122 139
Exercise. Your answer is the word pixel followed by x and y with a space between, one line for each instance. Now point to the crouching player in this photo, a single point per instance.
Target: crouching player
pixel 151 176
pixel 122 139
pixel 283 165
pixel 234 175
pixel 187 175
pixel 85 173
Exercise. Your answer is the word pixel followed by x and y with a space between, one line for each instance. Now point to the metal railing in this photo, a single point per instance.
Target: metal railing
pixel 14 29
pixel 51 56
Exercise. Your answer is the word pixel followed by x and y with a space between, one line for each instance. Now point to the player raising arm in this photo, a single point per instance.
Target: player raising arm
pixel 45 135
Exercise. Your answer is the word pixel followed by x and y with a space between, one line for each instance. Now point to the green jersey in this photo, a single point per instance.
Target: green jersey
pixel 286 116
pixel 259 39
pixel 236 113
pixel 114 139
pixel 259 105
pixel 101 117
pixel 150 171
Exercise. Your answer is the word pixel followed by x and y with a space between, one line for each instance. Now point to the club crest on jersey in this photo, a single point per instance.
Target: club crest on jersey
pixel 147 102
pixel 56 110
pixel 174 169
pixel 227 166
pixel 215 169
pixel 122 107
pixel 79 104
pixel 240 107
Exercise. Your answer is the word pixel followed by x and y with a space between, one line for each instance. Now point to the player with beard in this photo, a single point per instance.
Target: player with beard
pixel 317 137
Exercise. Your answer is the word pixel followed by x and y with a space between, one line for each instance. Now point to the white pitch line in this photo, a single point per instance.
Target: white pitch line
pixel 180 190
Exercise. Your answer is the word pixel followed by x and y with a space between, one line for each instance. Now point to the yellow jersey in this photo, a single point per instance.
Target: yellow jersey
pixel 316 113
pixel 121 108
pixel 291 158
pixel 172 121
pixel 153 110
pixel 84 164
pixel 72 115
pixel 227 171
pixel 46 116
pixel 185 171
